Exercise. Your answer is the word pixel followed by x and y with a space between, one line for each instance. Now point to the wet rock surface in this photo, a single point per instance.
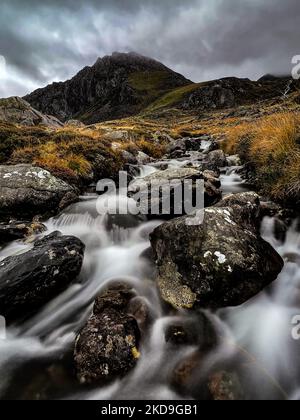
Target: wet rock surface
pixel 214 263
pixel 31 279
pixel 19 230
pixel 197 331
pixel 107 346
pixel 27 191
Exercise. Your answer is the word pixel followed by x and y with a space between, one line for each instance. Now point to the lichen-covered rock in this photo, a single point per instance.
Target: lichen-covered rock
pixel 246 206
pixel 27 191
pixel 107 346
pixel 29 280
pixel 214 263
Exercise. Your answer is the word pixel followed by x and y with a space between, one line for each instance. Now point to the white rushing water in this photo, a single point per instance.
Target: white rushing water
pixel 261 328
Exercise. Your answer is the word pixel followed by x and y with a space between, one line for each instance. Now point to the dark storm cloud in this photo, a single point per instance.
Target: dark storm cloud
pixel 204 39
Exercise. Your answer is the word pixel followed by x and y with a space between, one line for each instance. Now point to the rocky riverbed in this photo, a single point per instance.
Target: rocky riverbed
pixel 131 307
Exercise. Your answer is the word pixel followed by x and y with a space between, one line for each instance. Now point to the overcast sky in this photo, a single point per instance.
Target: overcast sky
pixel 45 41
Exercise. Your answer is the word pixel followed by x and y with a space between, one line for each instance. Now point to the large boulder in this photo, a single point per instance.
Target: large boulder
pixel 175 178
pixel 213 263
pixel 27 191
pixel 31 279
pixel 107 346
pixel 16 110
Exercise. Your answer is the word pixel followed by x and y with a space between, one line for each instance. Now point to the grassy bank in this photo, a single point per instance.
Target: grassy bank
pixel 78 156
pixel 271 146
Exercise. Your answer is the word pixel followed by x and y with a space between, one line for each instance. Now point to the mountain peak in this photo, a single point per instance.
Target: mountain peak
pixel 116 86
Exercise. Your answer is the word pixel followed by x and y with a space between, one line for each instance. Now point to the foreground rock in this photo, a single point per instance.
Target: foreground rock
pixel 16 110
pixel 217 263
pixel 173 180
pixel 107 346
pixel 30 280
pixel 19 230
pixel 27 191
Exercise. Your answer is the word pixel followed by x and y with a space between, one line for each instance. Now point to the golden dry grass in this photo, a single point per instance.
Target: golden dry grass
pixel 272 145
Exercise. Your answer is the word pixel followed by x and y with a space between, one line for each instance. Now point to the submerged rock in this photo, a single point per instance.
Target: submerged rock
pixel 27 191
pixel 107 346
pixel 197 331
pixel 29 280
pixel 217 263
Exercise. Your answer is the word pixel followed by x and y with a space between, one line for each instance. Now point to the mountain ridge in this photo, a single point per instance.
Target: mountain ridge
pixel 116 86
pixel 127 84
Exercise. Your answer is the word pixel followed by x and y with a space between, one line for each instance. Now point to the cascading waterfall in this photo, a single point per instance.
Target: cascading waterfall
pixel 262 327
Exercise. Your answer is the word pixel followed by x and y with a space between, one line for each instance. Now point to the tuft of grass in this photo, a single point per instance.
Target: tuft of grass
pixel 77 156
pixel 272 146
pixel 275 138
pixel 152 149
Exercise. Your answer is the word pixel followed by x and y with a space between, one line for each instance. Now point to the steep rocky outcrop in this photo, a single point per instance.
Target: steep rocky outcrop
pixel 17 111
pixel 114 87
pixel 27 191
pixel 218 262
pixel 232 92
pixel 30 280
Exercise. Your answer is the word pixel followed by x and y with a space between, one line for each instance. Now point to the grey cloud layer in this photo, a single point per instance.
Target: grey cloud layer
pixel 204 39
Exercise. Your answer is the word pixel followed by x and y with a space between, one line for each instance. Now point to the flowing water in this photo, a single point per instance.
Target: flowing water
pixel 35 357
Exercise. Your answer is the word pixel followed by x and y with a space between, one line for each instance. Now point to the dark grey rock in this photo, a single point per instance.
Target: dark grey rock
pixel 29 280
pixel 19 230
pixel 216 263
pixel 107 346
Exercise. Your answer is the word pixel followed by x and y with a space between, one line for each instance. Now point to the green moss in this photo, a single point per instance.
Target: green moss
pixel 151 82
pixel 173 97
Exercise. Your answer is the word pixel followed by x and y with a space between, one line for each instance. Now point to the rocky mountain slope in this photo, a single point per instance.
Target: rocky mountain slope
pixel 124 85
pixel 114 87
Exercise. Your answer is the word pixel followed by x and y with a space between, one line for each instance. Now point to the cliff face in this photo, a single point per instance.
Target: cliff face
pixel 114 87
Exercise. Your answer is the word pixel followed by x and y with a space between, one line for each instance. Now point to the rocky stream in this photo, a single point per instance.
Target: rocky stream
pixel 155 330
